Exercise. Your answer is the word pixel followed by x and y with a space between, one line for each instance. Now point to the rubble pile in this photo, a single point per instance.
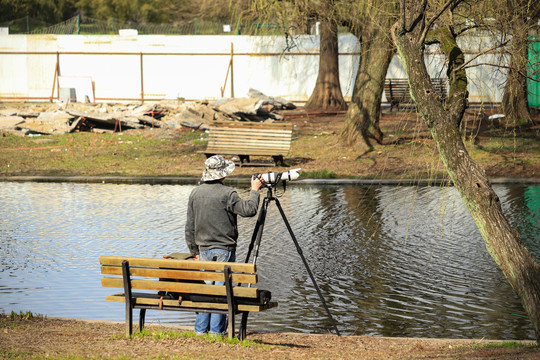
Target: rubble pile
pixel 60 118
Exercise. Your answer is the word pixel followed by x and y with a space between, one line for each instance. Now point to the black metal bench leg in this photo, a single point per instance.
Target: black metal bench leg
pixel 278 160
pixel 142 315
pixel 243 158
pixel 129 300
pixel 242 332
pixel 230 301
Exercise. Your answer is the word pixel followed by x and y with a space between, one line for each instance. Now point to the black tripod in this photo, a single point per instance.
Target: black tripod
pixel 256 242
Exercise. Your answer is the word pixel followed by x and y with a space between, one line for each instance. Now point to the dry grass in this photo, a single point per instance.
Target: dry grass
pixel 40 338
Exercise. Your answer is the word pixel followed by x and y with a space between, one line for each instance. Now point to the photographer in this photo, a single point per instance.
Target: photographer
pixel 211 225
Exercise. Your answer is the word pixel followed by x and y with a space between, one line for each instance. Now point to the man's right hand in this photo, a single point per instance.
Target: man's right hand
pixel 256 182
pixel 196 257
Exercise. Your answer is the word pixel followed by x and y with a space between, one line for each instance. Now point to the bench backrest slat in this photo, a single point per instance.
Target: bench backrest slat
pixel 176 264
pixel 252 125
pixel 180 287
pixel 179 274
pixel 251 131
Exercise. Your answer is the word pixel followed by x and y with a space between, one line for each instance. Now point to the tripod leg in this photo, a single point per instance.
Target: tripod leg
pixel 300 252
pixel 243 326
pixel 257 232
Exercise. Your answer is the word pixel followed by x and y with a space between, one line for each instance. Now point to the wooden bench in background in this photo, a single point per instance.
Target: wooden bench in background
pixel 178 285
pixel 397 90
pixel 247 139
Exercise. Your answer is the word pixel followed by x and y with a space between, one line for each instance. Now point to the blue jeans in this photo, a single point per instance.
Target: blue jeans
pixel 210 322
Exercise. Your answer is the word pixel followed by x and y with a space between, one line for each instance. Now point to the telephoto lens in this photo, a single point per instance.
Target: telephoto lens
pixel 273 177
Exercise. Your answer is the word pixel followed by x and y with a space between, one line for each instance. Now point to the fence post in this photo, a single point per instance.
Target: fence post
pixel 142 79
pixel 232 74
pixel 55 79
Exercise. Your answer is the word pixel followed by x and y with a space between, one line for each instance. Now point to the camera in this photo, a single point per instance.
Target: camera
pixel 273 178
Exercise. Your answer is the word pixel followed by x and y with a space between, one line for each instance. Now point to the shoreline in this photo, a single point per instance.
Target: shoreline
pixel 180 180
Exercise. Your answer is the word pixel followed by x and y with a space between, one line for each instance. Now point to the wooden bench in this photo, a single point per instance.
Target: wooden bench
pixel 247 139
pixel 397 90
pixel 178 285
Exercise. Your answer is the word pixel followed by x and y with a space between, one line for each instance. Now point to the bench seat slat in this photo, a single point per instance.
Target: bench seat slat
pixel 180 274
pixel 141 299
pixel 180 287
pixel 177 264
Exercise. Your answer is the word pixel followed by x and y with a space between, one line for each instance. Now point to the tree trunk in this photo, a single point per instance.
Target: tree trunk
pixel 327 93
pixel 515 99
pixel 362 119
pixel 443 118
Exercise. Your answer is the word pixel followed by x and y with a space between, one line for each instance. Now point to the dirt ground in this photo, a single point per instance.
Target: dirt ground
pixel 42 338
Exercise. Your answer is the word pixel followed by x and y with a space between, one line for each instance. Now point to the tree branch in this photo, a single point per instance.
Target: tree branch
pixel 486 64
pixel 464 65
pixel 438 15
pixel 465 29
pixel 403 18
pixel 524 76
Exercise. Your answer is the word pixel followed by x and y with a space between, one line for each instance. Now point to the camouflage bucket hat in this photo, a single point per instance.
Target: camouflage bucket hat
pixel 216 167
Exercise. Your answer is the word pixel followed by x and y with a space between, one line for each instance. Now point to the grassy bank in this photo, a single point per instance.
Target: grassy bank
pixel 408 152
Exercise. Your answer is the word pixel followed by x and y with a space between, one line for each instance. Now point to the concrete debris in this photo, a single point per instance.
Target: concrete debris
pixel 240 106
pixel 59 118
pixel 10 122
pixel 277 103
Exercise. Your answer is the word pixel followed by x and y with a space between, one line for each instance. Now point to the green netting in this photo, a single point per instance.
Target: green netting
pixel 533 81
pixel 90 26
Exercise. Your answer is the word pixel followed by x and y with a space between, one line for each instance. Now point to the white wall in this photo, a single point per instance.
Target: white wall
pixel 192 67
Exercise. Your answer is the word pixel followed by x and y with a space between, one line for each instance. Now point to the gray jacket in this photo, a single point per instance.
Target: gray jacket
pixel 212 216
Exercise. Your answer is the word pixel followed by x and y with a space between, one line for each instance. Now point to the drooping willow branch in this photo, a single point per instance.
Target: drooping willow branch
pixel 464 65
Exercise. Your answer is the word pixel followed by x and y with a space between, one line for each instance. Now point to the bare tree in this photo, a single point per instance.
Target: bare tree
pixel 418 21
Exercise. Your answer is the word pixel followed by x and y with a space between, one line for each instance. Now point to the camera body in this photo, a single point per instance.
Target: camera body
pixel 272 178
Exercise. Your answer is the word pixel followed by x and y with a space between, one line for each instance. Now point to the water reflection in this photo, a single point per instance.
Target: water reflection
pixel 392 261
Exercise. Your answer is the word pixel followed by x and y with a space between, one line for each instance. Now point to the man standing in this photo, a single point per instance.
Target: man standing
pixel 211 226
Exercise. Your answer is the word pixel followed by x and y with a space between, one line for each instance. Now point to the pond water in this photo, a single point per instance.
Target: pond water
pixel 390 260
